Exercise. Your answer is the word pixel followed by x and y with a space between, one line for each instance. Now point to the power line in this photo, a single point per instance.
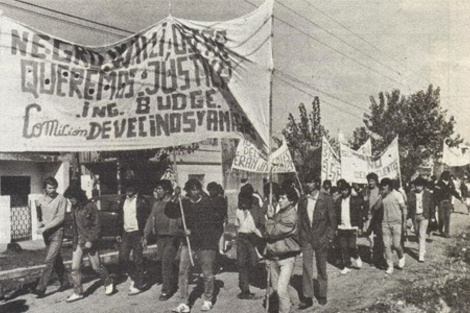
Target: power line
pixel 74 16
pixel 293 78
pixel 366 41
pixel 326 102
pixel 334 49
pixel 339 38
pixel 61 20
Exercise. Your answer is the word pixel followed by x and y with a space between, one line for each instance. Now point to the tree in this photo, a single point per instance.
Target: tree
pixel 419 121
pixel 304 138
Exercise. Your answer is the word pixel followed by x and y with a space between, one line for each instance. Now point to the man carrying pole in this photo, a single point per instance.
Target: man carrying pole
pixel 202 231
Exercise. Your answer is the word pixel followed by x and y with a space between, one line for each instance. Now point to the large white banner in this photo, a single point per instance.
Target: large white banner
pixel 355 166
pixel 249 158
pixel 456 156
pixel 366 148
pixel 330 162
pixel 177 82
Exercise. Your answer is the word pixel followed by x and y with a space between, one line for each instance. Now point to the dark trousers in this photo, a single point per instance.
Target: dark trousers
pixel 246 261
pixel 53 261
pixel 132 242
pixel 321 255
pixel 167 248
pixel 444 211
pixel 378 248
pixel 347 242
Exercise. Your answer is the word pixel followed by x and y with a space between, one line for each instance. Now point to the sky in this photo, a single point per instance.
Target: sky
pixel 344 51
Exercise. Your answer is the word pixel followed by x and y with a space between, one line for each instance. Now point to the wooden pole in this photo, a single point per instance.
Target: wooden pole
pixel 188 242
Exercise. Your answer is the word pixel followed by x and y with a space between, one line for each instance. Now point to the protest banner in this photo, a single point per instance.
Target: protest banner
pixel 366 148
pixel 456 156
pixel 330 162
pixel 175 83
pixel 249 158
pixel 355 166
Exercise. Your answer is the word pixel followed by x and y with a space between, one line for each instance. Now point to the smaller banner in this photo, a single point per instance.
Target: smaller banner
pixel 457 156
pixel 330 162
pixel 366 148
pixel 249 158
pixel 355 166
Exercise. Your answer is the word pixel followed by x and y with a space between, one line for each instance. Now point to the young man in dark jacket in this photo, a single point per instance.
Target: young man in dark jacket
pixel 86 230
pixel 420 210
pixel 134 211
pixel 349 217
pixel 317 227
pixel 168 232
pixel 443 192
pixel 203 221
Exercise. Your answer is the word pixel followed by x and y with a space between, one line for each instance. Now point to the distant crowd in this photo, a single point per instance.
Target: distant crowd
pixel 277 228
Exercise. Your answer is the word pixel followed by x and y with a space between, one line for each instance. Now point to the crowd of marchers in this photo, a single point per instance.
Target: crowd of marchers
pixel 276 228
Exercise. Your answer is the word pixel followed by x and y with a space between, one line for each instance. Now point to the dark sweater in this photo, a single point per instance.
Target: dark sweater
pixel 203 219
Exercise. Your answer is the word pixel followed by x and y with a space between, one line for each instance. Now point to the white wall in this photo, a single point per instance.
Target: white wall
pixel 5 219
pixel 211 173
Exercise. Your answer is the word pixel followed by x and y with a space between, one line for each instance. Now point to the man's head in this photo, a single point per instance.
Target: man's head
pixel 287 197
pixel 193 188
pixel 345 190
pixel 445 176
pixel 50 186
pixel 327 185
pixel 419 183
pixel 213 189
pixel 162 189
pixel 131 189
pixel 312 182
pixel 372 180
pixel 276 191
pixel 387 185
pixel 75 195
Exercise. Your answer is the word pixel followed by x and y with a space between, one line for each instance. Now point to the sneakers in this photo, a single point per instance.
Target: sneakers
pixel 182 308
pixel 401 262
pixel 133 291
pixel 39 293
pixel 164 296
pixel 345 270
pixel 206 306
pixel 389 270
pixel 359 263
pixel 421 259
pixel 109 289
pixel 74 297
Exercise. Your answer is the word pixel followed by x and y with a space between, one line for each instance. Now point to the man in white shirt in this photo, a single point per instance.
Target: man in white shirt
pixel 134 212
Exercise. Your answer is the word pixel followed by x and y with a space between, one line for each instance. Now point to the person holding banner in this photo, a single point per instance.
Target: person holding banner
pixel 251 226
pixel 350 221
pixel 394 215
pixel 168 232
pixel 283 245
pixel 203 228
pixel 317 227
pixel 134 210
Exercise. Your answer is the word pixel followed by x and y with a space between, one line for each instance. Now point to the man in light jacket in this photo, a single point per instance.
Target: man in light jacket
pixel 283 245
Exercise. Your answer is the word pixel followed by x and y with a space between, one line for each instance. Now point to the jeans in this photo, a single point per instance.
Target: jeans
pixel 281 272
pixel 206 259
pixel 246 261
pixel 421 226
pixel 321 255
pixel 95 262
pixel 347 241
pixel 392 238
pixel 132 242
pixel 444 211
pixel 53 261
pixel 168 247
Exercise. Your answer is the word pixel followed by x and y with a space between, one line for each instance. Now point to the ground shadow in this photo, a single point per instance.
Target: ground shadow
pixel 16 306
pixel 411 252
pixel 198 291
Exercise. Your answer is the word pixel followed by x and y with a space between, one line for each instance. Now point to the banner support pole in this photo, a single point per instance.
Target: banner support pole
pixel 188 242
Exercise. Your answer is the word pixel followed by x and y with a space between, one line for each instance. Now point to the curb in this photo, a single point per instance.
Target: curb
pixel 35 271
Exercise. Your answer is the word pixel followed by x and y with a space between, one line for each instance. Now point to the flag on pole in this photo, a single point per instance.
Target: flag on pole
pixel 330 162
pixel 456 156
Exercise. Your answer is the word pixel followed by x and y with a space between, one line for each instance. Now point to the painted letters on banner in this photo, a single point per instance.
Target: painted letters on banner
pixel 175 83
pixel 366 148
pixel 249 158
pixel 330 162
pixel 355 166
